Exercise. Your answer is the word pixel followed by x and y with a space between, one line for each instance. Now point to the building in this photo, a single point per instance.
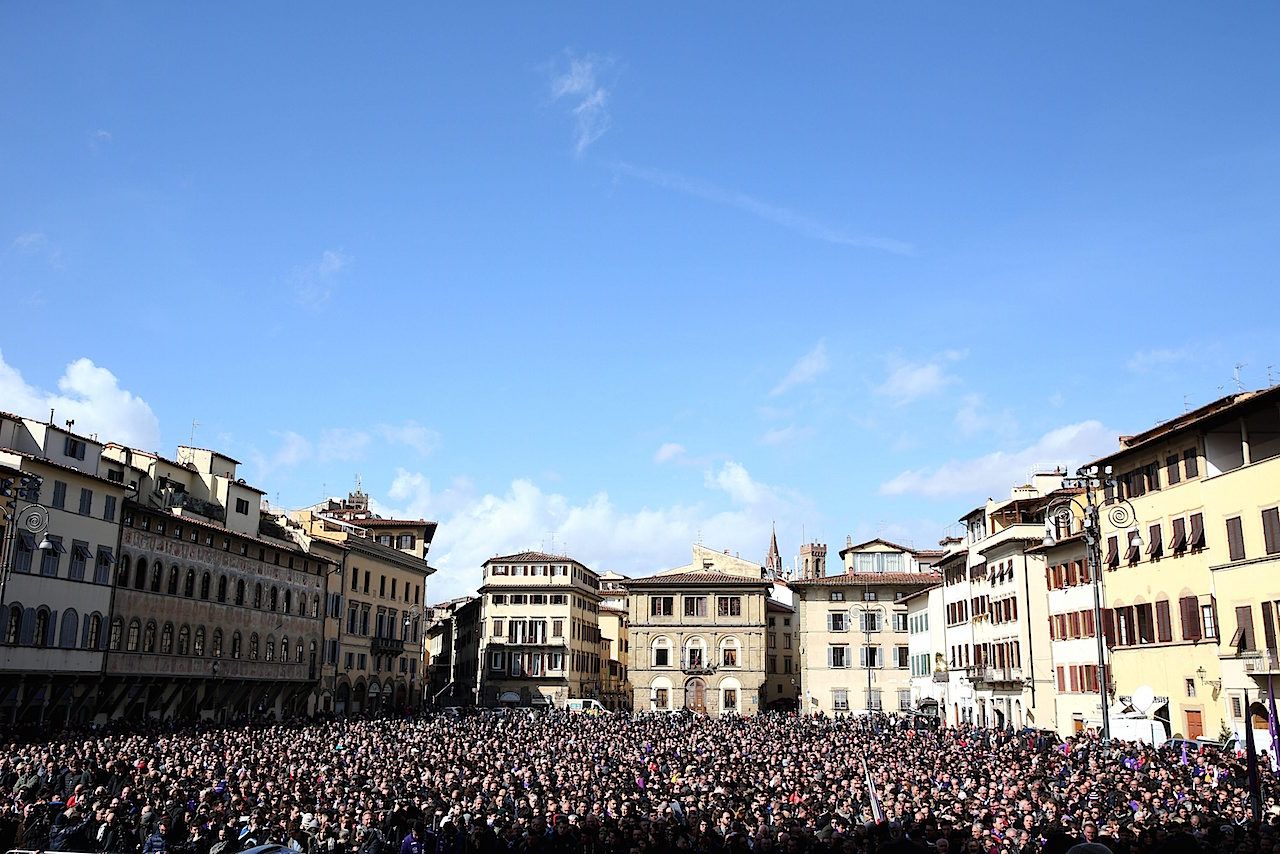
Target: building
pixel 441 650
pixel 781 676
pixel 217 612
pixel 1192 605
pixel 1000 664
pixel 540 642
pixel 926 650
pixel 57 584
pixel 378 590
pixel 853 630
pixel 698 636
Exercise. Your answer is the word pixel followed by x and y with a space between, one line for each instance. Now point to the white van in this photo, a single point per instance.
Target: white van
pixel 585 705
pixel 1135 728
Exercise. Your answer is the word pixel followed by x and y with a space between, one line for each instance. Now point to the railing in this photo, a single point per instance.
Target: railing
pixel 995 675
pixel 1261 661
pixel 185 501
pixel 702 669
pixel 386 646
pixel 941 676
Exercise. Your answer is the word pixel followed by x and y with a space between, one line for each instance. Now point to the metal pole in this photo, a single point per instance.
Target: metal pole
pixel 1093 549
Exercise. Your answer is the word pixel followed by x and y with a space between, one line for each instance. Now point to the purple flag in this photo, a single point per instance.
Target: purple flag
pixel 1184 753
pixel 1271 720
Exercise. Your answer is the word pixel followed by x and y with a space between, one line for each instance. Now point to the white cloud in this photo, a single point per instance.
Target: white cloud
pixel 1145 361
pixel 475 527
pixel 422 439
pixel 314 284
pixel 587 95
pixel 91 396
pixel 30 241
pixel 338 444
pixel 974 416
pixel 785 435
pixel 668 452
pixel 910 381
pixel 807 368
pixel 995 473
pixel 785 217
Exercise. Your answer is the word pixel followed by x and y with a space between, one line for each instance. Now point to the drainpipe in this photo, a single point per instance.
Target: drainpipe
pixel 1031 649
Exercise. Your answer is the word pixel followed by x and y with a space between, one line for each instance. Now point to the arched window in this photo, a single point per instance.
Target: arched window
pixel 257 595
pixel 135 632
pixel 239 591
pixel 730 653
pixel 660 652
pixel 222 588
pixel 166 639
pixel 69 636
pixel 156 572
pixel 198 646
pixel 173 580
pixel 122 571
pixel 284 649
pixel 93 631
pixel 275 599
pixel 117 629
pixel 253 647
pixel 149 637
pixel 315 606
pixel 235 645
pixel 205 581
pixel 189 586
pixel 313 651
pixel 271 648
pixel 42 627
pixel 140 575
pixel 695 653
pixel 184 640
pixel 288 601
pixel 13 626
pixel 216 649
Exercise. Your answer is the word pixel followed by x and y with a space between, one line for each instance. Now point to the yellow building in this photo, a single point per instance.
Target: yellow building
pixel 1192 609
pixel 782 642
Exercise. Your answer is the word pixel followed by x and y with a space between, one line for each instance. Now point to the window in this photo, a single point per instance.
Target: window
pixel 904 699
pixel 173 580
pixel 59 495
pixel 662 653
pixel 1208 619
pixel 840 700
pixel 1191 687
pixel 406 541
pixel 73 448
pixel 900 622
pixel 662 698
pixel 166 639
pixel 730 700
pixel 1271 530
pixel 1235 539
pixel 837 621
pixel 109 508
pixel 873 699
pixel 79 557
pixel 695 606
pixel 557 628
pixel 870 657
pixel 837 596
pixel 499 628
pixel 1172 473
pixel 26 544
pixel 242 506
pixel 197 646
pixel 838 655
pixel 870 621
pixel 102 566
pixel 661 606
pixel 729 606
pixel 49 559
pixel 1191 463
pixel 86 502
pixel 869 595
pixel 149 637
pixel 903 656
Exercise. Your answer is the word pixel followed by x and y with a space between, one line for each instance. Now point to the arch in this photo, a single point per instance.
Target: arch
pixel 117 632
pixel 344 692
pixel 92 632
pixel 273 601
pixel 222 588
pixel 271 648
pixel 695 652
pixel 135 635
pixel 166 639
pixel 184 640
pixel 140 575
pixel 173 580
pixel 235 643
pixel 123 568
pixel 288 601
pixel 70 634
pixel 189 585
pixel 149 637
pixel 254 644
pixel 284 649
pixel 44 627
pixel 257 595
pixel 239 591
pixel 197 645
pixel 157 571
pixel 206 581
pixel 13 625
pixel 695 694
pixel 215 644
pixel 660 694
pixel 730 652
pixel 660 651
pixel 315 605
pixel 730 696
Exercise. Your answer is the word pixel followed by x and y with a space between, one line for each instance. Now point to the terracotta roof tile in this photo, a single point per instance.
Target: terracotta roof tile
pixel 536 557
pixel 885 579
pixel 695 577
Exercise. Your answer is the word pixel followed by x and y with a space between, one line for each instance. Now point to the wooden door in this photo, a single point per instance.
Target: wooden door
pixel 1195 723
pixel 695 695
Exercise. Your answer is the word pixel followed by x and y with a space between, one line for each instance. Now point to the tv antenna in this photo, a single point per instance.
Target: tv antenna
pixel 1235 375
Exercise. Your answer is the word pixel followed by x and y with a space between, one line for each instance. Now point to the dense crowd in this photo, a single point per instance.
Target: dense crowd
pixel 557 782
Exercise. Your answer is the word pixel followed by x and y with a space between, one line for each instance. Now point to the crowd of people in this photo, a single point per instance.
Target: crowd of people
pixel 558 782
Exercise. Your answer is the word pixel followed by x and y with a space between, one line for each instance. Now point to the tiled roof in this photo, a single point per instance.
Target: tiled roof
pixel 876 579
pixel 775 605
pixel 531 557
pixel 921 592
pixel 390 523
pixel 1200 418
pixel 695 577
pixel 215 453
pixel 882 542
pixel 930 553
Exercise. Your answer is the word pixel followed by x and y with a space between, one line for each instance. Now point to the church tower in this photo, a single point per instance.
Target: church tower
pixel 813 561
pixel 773 563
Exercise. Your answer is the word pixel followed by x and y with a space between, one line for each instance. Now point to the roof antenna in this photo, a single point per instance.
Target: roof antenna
pixel 1186 403
pixel 1269 381
pixel 194 425
pixel 1236 376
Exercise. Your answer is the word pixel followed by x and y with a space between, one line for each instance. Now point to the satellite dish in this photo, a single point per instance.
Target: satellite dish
pixel 1143 698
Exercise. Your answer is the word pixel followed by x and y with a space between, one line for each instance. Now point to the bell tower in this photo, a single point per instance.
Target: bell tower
pixel 813 561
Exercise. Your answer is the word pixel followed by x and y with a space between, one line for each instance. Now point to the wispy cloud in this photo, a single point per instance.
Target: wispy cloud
pixel 807 368
pixel 993 474
pixel 580 86
pixel 314 284
pixel 785 217
pixel 909 381
pixel 30 241
pixel 99 138
pixel 1146 361
pixel 668 452
pixel 976 416
pixel 339 444
pixel 785 435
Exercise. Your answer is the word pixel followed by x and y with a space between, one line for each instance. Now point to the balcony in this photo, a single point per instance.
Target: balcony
pixel 941 676
pixel 386 646
pixel 984 674
pixel 172 499
pixel 1263 662
pixel 698 669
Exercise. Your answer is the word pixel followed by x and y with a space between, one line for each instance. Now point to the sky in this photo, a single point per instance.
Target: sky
pixel 611 280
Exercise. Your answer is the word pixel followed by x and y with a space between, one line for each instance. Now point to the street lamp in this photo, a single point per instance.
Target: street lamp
pixel 1120 514
pixel 865 611
pixel 33 519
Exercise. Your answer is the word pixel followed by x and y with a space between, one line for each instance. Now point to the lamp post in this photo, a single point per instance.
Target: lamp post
pixel 865 611
pixel 1120 514
pixel 32 519
pixel 410 614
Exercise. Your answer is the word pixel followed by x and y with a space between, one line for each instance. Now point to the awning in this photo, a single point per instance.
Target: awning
pixel 57 546
pixel 541 700
pixel 509 697
pixel 28 540
pixel 81 551
pixel 106 556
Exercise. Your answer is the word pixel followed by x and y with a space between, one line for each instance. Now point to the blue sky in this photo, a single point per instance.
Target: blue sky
pixel 613 279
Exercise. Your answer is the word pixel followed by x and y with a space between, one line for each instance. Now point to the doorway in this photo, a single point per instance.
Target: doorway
pixel 1195 723
pixel 695 695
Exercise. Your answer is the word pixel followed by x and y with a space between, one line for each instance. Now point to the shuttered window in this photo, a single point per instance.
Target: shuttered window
pixel 1113 551
pixel 1171 469
pixel 1268 625
pixel 1271 530
pixel 1179 544
pixel 1197 531
pixel 1191 462
pixel 1243 638
pixel 1189 610
pixel 1164 623
pixel 1235 539
pixel 1156 548
pixel 1108 627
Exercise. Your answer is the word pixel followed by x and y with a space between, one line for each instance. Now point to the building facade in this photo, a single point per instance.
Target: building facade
pixel 926 650
pixel 540 642
pixel 698 635
pixel 781 676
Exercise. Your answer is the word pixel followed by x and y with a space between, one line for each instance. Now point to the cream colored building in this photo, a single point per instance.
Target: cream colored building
pixel 57 599
pixel 540 642
pixel 615 631
pixel 853 630
pixel 926 650
pixel 698 636
pixel 1192 612
pixel 782 643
